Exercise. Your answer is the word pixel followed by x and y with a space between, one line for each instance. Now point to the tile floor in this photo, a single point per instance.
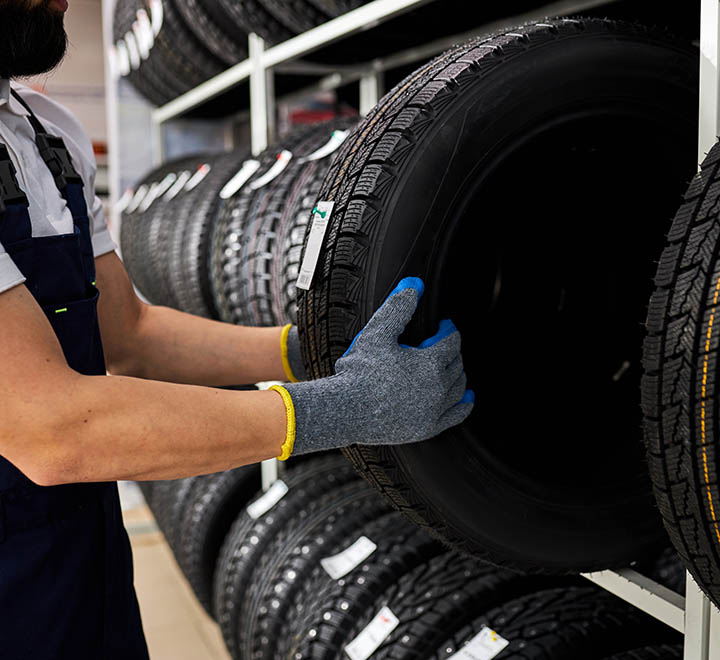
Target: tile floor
pixel 176 626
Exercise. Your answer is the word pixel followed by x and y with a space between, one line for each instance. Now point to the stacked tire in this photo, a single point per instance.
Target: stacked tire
pixel 319 566
pixel 220 235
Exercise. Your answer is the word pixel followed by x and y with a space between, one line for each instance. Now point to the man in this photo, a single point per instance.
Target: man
pixel 68 430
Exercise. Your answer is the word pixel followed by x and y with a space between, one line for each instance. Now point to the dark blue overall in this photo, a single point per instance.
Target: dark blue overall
pixel 66 579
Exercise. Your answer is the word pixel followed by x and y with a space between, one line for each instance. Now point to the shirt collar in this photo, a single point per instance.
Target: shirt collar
pixel 8 101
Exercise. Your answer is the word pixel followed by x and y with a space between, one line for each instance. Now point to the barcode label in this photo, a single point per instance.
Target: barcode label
pixel 341 564
pixel 318 226
pixel 484 646
pixel 267 500
pixel 376 632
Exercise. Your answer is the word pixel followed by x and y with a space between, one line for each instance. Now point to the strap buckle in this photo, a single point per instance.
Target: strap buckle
pixel 56 156
pixel 10 191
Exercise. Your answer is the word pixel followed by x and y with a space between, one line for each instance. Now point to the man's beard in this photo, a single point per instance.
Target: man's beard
pixel 32 39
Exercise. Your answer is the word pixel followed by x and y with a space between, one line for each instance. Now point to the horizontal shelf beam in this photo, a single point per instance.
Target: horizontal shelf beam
pixel 642 592
pixel 357 20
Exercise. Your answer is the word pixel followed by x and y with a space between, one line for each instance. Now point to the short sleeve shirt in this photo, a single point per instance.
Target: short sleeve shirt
pixel 49 213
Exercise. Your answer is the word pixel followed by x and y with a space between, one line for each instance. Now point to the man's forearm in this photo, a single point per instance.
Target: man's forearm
pixel 101 428
pixel 176 347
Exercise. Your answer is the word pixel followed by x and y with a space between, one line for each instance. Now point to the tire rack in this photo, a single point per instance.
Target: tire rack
pixel 694 615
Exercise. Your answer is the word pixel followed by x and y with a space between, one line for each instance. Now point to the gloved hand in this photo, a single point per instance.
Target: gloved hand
pixel 382 392
pixel 291 357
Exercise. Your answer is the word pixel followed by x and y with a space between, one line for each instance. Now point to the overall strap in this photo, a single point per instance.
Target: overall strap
pixel 70 184
pixel 52 150
pixel 14 217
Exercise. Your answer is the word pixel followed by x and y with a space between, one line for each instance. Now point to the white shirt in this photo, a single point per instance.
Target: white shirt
pixel 49 213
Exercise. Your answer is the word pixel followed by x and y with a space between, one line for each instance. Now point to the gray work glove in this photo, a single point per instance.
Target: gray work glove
pixel 382 392
pixel 293 364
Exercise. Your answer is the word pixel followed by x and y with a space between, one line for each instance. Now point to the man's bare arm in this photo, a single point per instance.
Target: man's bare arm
pixel 164 344
pixel 58 426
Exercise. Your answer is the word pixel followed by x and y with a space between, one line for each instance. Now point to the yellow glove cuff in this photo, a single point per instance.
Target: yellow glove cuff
pixel 284 354
pixel 289 445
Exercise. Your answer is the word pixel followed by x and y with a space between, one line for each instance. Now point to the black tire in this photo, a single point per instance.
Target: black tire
pixel 166 505
pixel 296 15
pixel 188 249
pixel 439 597
pixel 251 16
pixel 669 570
pixel 249 539
pixel 574 102
pixel 207 516
pixel 563 624
pixel 664 652
pixel 325 610
pixel 239 253
pixel 226 47
pixel 291 557
pixel 681 380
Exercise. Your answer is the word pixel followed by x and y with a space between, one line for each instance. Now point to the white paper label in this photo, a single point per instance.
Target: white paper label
pixel 267 500
pixel 281 162
pixel 341 564
pixel 484 646
pixel 376 632
pixel 144 33
pixel 249 167
pixel 318 225
pixel 179 184
pixel 336 139
pixel 137 198
pixel 122 58
pixel 196 178
pixel 133 51
pixel 124 201
pixel 157 15
pixel 149 198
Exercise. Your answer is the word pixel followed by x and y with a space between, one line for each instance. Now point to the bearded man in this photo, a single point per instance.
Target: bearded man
pixel 97 386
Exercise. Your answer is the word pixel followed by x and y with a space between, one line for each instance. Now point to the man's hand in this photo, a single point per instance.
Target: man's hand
pixel 383 392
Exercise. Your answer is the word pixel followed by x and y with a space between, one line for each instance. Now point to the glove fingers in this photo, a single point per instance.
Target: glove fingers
pixel 447 349
pixel 446 328
pixel 454 369
pixel 456 391
pixel 389 321
pixel 458 413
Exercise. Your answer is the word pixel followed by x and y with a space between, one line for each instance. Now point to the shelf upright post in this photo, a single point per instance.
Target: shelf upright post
pixel 262 101
pixel 709 124
pixel 371 89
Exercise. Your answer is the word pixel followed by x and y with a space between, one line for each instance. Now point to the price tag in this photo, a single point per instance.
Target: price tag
pixel 137 198
pixel 484 646
pixel 133 50
pixel 122 59
pixel 179 184
pixel 249 167
pixel 157 190
pixel 124 201
pixel 196 178
pixel 281 162
pixel 376 632
pixel 318 226
pixel 267 500
pixel 341 564
pixel 336 139
pixel 157 15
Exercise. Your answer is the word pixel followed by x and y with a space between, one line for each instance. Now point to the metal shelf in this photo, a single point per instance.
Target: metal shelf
pixel 694 615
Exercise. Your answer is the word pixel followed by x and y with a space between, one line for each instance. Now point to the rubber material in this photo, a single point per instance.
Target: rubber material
pixel 325 609
pixel 249 539
pixel 290 558
pixel 207 517
pixel 563 624
pixel 447 179
pixel 680 383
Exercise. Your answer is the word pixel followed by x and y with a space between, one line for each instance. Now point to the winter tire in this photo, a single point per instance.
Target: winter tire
pixel 483 172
